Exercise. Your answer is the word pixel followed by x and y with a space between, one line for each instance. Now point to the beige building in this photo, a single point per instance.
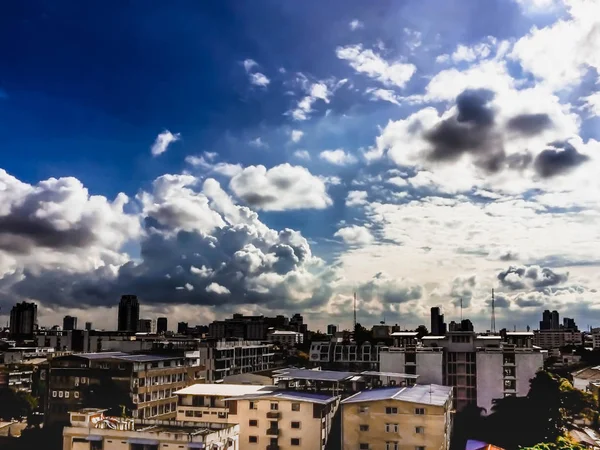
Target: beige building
pixel 268 417
pixel 405 418
pixel 90 430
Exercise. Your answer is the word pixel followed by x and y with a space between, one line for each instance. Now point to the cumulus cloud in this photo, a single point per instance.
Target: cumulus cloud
pixel 296 135
pixel 258 143
pixel 374 66
pixel 355 235
pixel 389 290
pixel 356 198
pixel 464 53
pixel 302 154
pixel 249 64
pixel 338 157
pixel 462 289
pixel 383 94
pixel 162 142
pixel 216 288
pixel 283 187
pixel 560 159
pixel 356 24
pixel 316 91
pixel 259 79
pixel 530 277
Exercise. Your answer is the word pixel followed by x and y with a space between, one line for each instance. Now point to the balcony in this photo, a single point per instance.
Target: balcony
pixel 273 447
pixel 273 415
pixel 273 432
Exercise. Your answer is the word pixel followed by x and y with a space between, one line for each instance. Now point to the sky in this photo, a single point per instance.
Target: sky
pixel 273 157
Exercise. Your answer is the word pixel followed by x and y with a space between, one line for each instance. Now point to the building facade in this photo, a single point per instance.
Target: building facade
pixel 69 323
pixel 161 325
pixel 232 357
pixel 288 338
pixel 90 429
pixel 417 417
pixel 345 355
pixel 23 319
pixel 145 384
pixel 556 338
pixel 129 313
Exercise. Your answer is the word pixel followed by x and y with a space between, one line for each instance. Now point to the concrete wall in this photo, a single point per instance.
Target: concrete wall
pixel 429 365
pixel 434 424
pixel 490 379
pixel 528 364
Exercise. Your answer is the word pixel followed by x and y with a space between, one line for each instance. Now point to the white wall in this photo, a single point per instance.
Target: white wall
pixel 528 365
pixel 430 367
pixel 490 379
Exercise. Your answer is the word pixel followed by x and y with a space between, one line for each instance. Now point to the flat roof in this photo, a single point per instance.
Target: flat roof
pixel 284 332
pixel 404 333
pixel 126 356
pixel 523 333
pixel 224 390
pixel 495 338
pixel 434 337
pixel 426 394
pixel 290 395
pixel 317 375
pixel 389 374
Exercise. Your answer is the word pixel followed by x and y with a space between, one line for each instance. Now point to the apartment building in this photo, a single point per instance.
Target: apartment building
pixel 284 337
pixel 417 417
pixel 268 417
pixel 235 356
pixel 146 384
pixel 550 339
pixel 479 368
pixel 344 354
pixel 90 429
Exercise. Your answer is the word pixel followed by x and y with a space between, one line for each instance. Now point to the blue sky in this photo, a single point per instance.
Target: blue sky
pixel 340 121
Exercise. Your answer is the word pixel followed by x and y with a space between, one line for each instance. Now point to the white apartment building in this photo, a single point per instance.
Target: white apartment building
pixel 285 337
pixel 480 368
pixel 549 339
pixel 596 337
pixel 348 354
pixel 90 430
pixel 267 417
pixel 233 357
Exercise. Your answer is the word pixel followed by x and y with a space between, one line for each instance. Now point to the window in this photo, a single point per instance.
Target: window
pixel 363 446
pixel 189 413
pixel 197 413
pixel 391 446
pixel 296 425
pixel 363 427
pixel 420 411
pixel 76 394
pixel 419 447
pixel 53 393
pixel 295 441
pixel 363 409
pixel 60 394
pixel 253 439
pixel 391 410
pixel 253 423
pixel 295 406
pixel 274 406
pixel 252 405
pixel 391 427
pixel 67 394
pixel 420 430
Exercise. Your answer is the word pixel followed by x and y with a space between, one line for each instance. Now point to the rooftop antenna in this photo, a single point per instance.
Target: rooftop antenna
pixel 493 314
pixel 461 306
pixel 354 310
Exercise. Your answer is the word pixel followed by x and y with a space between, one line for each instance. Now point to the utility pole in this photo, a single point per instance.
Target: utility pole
pixel 493 314
pixel 355 310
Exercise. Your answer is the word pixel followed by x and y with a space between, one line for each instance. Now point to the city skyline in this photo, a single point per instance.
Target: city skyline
pixel 377 149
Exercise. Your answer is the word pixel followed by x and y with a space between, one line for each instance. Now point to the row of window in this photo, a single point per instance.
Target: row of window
pixel 391 428
pixel 152 411
pixel 159 380
pixel 391 410
pixel 274 406
pixel 192 413
pixel 152 396
pixel 64 394
pixel 388 446
pixel 254 423
pixel 254 440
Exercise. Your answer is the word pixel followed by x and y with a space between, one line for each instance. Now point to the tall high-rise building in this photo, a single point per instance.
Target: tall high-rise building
pixel 161 325
pixel 438 327
pixel 23 319
pixel 88 326
pixel 331 330
pixel 129 313
pixel 569 324
pixel 546 322
pixel 146 326
pixel 69 323
pixel 182 328
pixel 555 320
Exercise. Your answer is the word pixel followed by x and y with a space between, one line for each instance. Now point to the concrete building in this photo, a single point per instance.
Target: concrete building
pixel 582 378
pixel 267 417
pixel 289 338
pixel 161 325
pixel 347 355
pixel 182 328
pixel 69 323
pixel 596 337
pixel 438 327
pixel 479 368
pixel 556 338
pixel 417 417
pixel 129 313
pixel 145 383
pixel 331 329
pixel 88 326
pixel 90 429
pixel 23 319
pixel 146 326
pixel 231 357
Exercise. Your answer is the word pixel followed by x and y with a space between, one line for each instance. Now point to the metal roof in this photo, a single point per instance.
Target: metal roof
pixel 389 374
pixel 317 375
pixel 434 337
pixel 289 395
pixel 224 390
pixel 100 355
pixel 126 356
pixel 404 333
pixel 425 394
pixel 521 333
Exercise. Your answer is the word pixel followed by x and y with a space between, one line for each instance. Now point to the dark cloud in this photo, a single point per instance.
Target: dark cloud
pixel 389 290
pixel 529 301
pixel 529 124
pixel 462 289
pixel 509 256
pixel 535 277
pixel 560 159
pixel 500 301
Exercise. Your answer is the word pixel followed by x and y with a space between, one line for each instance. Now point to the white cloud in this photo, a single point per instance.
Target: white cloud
pixel 383 94
pixel 302 154
pixel 216 288
pixel 249 64
pixel 258 143
pixel 539 6
pixel 374 66
pixel 562 53
pixel 296 135
pixel 259 79
pixel 338 157
pixel 202 272
pixel 468 54
pixel 356 198
pixel 592 103
pixel 162 142
pixel 356 24
pixel 283 187
pixel 398 181
pixel 222 168
pixel 317 91
pixel 355 235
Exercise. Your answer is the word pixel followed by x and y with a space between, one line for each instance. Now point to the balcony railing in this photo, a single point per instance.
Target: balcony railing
pixel 273 415
pixel 273 432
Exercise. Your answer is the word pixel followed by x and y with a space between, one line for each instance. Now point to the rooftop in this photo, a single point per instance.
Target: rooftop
pixel 290 395
pixel 521 333
pixel 224 390
pixel 433 337
pixel 285 332
pixel 426 394
pixel 316 375
pixel 404 333
pixel 126 356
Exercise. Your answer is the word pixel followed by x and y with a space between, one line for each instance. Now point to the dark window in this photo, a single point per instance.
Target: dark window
pixel 253 439
pixel 295 441
pixel 364 427
pixel 391 410
pixel 253 423
pixel 295 424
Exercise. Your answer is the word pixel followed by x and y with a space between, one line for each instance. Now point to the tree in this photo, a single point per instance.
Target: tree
pixel 560 444
pixel 108 395
pixel 422 331
pixel 469 423
pixel 14 405
pixel 361 334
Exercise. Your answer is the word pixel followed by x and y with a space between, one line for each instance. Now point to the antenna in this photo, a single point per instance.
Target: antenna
pixel 493 314
pixel 461 306
pixel 354 310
